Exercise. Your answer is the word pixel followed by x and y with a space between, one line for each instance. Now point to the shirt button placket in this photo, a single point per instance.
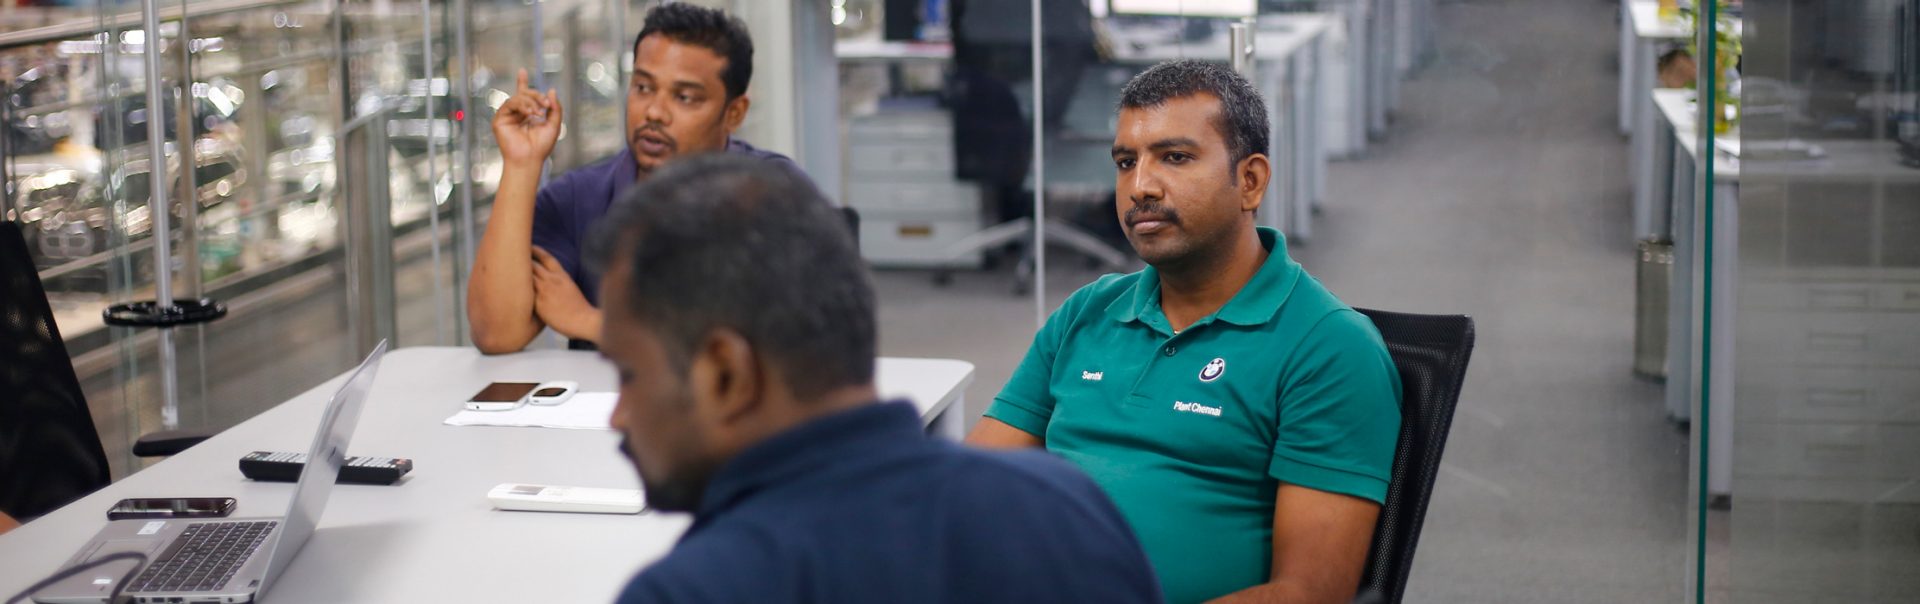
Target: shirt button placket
pixel 1170 350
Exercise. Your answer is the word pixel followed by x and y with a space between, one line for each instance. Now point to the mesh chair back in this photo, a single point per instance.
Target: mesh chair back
pixel 1431 352
pixel 50 453
pixel 852 216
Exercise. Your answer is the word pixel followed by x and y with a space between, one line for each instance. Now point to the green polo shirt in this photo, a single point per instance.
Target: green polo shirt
pixel 1191 434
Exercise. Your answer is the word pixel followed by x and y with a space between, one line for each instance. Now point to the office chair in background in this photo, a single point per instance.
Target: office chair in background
pixel 852 216
pixel 993 140
pixel 1431 352
pixel 50 452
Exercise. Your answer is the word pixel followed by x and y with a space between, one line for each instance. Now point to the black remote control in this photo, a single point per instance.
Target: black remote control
pixel 285 467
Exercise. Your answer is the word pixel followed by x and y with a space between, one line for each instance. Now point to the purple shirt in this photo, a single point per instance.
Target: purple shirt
pixel 566 210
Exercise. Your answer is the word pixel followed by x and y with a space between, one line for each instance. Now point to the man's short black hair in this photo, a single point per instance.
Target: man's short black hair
pixel 1243 115
pixel 1666 60
pixel 724 241
pixel 709 28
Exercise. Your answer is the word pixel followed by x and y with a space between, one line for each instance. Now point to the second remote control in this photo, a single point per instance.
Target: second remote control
pixel 285 467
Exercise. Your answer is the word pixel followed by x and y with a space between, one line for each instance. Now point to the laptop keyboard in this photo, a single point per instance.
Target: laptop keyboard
pixel 203 557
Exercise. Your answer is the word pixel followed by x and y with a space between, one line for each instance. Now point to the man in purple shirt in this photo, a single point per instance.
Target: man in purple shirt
pixel 691 66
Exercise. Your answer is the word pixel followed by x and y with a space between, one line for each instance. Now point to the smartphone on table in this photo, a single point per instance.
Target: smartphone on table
pixel 502 396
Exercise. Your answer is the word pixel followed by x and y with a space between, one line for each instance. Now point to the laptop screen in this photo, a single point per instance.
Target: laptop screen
pixel 324 459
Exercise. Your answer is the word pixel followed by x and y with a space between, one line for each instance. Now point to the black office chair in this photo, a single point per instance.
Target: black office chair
pixel 852 216
pixel 1431 352
pixel 50 452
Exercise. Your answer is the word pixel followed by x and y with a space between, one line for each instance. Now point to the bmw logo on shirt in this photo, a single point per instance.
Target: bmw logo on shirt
pixel 1214 369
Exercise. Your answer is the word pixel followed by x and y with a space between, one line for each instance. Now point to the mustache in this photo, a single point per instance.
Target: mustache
pixel 1155 210
pixel 658 131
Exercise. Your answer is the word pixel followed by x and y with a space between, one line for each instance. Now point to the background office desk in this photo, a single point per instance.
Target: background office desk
pixel 1641 28
pixel 434 537
pixel 888 51
pixel 1641 31
pixel 1679 161
pixel 1803 324
pixel 902 179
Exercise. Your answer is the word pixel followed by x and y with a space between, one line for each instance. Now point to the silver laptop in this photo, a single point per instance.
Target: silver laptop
pixel 225 559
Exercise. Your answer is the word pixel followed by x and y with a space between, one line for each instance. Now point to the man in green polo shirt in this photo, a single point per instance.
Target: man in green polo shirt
pixel 1242 417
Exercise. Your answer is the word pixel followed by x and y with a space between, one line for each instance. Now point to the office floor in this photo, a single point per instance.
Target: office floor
pixel 1500 193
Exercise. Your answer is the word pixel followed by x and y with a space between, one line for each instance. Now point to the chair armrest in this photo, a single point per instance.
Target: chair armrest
pixel 168 442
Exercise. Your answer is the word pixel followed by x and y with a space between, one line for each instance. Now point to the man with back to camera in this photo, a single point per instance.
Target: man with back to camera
pixel 1242 418
pixel 691 66
pixel 740 320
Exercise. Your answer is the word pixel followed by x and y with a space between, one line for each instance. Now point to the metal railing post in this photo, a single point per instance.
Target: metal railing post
pixel 160 212
pixel 463 86
pixel 7 211
pixel 188 159
pixel 569 89
pixel 1039 169
pixel 1240 47
pixel 369 227
pixel 433 170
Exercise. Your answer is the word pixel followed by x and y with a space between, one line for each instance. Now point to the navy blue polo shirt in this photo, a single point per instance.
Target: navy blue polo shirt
pixel 566 209
pixel 863 506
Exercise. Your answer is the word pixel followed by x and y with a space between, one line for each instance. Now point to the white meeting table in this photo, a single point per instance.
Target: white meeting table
pixel 434 537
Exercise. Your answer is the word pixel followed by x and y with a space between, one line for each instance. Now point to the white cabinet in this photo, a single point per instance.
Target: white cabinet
pixel 1829 385
pixel 901 180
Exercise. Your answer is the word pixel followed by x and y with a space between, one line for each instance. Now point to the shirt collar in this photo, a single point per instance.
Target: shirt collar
pixel 1254 304
pixel 858 433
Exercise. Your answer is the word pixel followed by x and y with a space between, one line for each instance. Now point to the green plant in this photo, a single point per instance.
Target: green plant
pixel 1726 63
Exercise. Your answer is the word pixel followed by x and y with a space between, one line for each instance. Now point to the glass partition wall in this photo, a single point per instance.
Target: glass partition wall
pixel 1811 355
pixel 341 163
pixel 344 166
pixel 1739 427
pixel 936 126
pixel 976 139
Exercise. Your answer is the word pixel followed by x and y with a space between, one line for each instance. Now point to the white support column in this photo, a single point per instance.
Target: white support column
pixel 796 86
pixel 157 208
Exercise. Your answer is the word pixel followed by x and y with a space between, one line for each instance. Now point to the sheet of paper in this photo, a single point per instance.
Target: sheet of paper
pixel 584 411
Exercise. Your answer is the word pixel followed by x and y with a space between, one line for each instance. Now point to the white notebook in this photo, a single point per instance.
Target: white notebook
pixel 584 411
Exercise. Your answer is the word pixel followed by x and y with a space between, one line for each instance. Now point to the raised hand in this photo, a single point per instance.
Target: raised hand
pixel 528 124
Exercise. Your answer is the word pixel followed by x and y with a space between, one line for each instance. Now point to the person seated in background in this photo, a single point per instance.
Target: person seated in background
pixel 1242 417
pixel 691 66
pixel 740 320
pixel 1676 69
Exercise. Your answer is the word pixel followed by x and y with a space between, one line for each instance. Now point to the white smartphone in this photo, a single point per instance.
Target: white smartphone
pixel 502 396
pixel 553 393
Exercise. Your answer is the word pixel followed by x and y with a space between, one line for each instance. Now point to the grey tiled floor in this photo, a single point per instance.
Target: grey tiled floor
pixel 1503 194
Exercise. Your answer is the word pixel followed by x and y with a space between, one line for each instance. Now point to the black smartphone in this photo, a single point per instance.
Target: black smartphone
pixel 175 507
pixel 502 396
